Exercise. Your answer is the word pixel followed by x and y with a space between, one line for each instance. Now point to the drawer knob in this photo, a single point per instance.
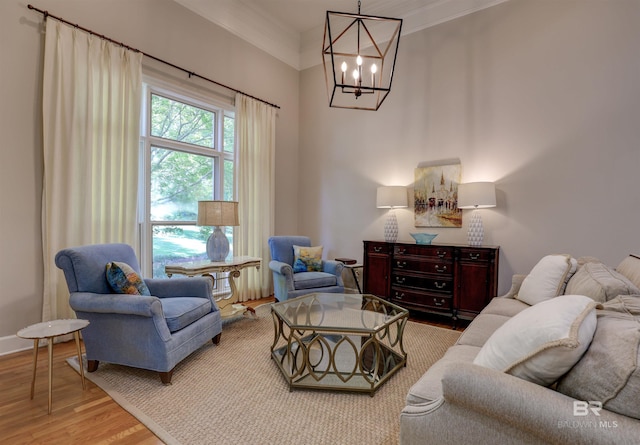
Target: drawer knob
pixel 401 264
pixel 377 249
pixel 402 250
pixel 474 256
pixel 441 269
pixel 438 303
pixel 400 280
pixel 399 296
pixel 441 254
pixel 440 285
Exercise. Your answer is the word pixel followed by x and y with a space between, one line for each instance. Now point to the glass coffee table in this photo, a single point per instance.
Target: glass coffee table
pixel 339 342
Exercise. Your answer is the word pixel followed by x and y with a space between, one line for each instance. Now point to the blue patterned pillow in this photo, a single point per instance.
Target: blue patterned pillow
pixel 307 259
pixel 124 280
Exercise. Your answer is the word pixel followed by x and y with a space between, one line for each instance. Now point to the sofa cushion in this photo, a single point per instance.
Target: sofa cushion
pixel 505 306
pixel 547 279
pixel 630 268
pixel 180 312
pixel 483 326
pixel 124 280
pixel 310 280
pixel 609 371
pixel 307 259
pixel 599 282
pixel 429 387
pixel 542 342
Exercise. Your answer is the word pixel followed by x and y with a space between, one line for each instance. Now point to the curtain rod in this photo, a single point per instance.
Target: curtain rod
pixel 190 73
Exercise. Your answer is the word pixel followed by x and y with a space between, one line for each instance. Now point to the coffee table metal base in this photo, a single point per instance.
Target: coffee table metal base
pixel 348 358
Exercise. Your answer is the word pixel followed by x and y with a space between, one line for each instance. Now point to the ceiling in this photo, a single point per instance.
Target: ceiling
pixel 292 30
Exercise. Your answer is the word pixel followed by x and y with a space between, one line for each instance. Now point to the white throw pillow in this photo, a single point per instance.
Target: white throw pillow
pixel 541 343
pixel 547 279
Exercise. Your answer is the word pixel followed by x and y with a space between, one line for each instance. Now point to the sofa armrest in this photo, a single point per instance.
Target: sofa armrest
pixel 540 411
pixel 283 276
pixel 141 305
pixel 516 282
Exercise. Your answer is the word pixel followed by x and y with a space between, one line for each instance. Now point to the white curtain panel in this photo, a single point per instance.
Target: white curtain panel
pixel 256 133
pixel 91 136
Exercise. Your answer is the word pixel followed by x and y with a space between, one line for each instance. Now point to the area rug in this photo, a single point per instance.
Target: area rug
pixel 232 393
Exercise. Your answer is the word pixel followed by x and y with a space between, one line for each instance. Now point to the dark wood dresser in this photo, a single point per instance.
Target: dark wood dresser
pixel 455 281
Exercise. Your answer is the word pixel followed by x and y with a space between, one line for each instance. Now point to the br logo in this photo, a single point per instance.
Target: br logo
pixel 582 408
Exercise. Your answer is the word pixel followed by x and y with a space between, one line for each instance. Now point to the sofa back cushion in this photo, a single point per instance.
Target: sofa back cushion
pixel 630 268
pixel 609 372
pixel 600 282
pixel 547 279
pixel 542 342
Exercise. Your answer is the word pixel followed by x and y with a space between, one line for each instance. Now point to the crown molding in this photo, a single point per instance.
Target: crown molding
pixel 301 51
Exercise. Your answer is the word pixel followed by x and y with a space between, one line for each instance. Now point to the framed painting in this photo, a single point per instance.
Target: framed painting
pixel 436 196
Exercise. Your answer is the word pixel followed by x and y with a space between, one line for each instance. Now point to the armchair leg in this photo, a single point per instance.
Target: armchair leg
pixel 216 339
pixel 165 377
pixel 92 365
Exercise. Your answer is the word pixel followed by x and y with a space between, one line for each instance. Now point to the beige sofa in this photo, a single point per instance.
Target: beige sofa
pixel 459 402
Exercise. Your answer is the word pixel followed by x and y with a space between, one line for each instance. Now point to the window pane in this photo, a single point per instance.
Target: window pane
pixel 174 244
pixel 228 180
pixel 178 181
pixel 181 122
pixel 229 134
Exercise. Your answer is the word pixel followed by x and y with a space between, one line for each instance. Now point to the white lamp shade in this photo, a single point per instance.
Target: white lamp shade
pixel 391 197
pixel 217 213
pixel 476 195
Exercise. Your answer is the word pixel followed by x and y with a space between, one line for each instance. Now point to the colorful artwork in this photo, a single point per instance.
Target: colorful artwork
pixel 436 196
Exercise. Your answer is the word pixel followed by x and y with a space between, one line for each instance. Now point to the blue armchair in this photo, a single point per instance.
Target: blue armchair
pixel 149 332
pixel 288 284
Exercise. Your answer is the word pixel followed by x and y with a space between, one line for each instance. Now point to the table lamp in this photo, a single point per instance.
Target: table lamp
pixel 217 214
pixel 391 197
pixel 476 195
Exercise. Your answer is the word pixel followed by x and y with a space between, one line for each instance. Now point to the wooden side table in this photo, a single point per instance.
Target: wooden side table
pixel 228 306
pixel 50 330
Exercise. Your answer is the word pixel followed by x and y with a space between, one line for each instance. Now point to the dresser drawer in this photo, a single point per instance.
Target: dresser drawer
pixel 378 247
pixel 482 255
pixel 433 266
pixel 442 252
pixel 437 284
pixel 428 300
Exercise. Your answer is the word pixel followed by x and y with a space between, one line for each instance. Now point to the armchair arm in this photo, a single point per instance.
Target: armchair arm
pixel 281 268
pixel 282 277
pixel 333 267
pixel 142 305
pixel 180 287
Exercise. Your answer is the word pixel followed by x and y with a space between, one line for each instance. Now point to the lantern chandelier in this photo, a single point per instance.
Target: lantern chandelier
pixel 359 56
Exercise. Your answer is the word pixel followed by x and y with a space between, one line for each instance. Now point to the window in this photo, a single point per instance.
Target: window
pixel 188 151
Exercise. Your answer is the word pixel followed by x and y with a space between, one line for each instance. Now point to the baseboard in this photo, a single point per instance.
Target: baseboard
pixel 13 343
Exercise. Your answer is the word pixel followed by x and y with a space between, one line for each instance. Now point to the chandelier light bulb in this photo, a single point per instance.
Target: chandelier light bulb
pixel 374 69
pixel 359 60
pixel 344 67
pixel 355 74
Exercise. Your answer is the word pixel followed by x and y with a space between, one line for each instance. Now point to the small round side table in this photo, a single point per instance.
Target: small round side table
pixel 50 330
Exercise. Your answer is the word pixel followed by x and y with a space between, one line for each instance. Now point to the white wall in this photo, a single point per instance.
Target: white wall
pixel 542 97
pixel 159 27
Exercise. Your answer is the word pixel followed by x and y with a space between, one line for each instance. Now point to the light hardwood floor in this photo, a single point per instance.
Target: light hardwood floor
pixel 77 416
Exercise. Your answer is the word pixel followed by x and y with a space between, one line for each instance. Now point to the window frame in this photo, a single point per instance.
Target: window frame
pixel 208 102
